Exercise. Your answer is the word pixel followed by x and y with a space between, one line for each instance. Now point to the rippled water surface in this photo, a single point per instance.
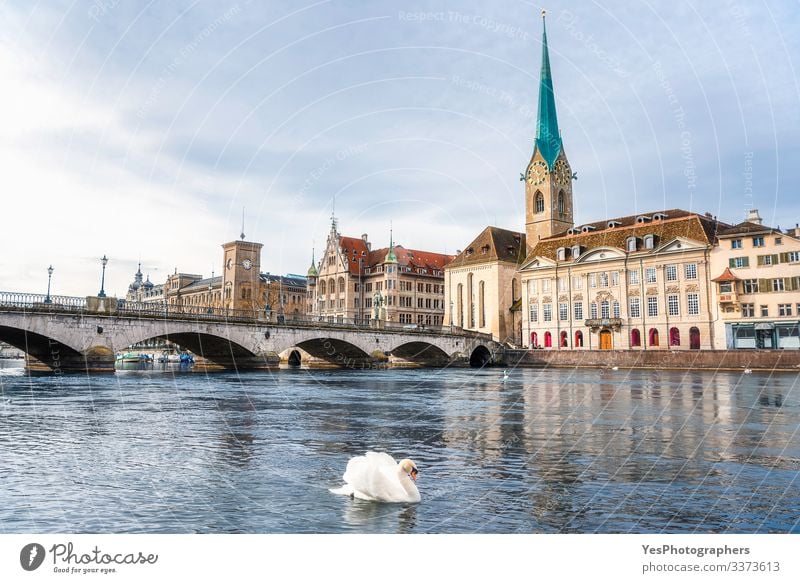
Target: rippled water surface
pixel 545 451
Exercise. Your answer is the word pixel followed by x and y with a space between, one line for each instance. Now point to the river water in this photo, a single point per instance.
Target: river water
pixel 556 450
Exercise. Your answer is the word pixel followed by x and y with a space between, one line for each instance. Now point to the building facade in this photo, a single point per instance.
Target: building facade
pixel 353 282
pixel 242 287
pixel 639 282
pixel 482 286
pixel 756 284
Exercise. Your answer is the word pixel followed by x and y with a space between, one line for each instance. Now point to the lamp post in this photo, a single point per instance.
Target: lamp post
pixel 47 300
pixel 102 293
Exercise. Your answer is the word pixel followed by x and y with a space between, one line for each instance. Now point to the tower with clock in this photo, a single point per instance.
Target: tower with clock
pixel 241 274
pixel 548 177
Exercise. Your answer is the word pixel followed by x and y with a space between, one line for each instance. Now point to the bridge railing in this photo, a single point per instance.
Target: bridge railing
pixel 72 305
pixel 41 301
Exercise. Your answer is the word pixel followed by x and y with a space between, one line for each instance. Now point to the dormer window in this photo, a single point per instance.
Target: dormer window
pixel 587 228
pixel 642 219
pixel 659 216
pixel 561 254
pixel 485 249
pixel 630 244
pixel 576 251
pixel 572 231
pixel 612 224
pixel 649 241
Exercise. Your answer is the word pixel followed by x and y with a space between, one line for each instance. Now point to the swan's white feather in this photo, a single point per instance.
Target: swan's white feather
pixel 377 477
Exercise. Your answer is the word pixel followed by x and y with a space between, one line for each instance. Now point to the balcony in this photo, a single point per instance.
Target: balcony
pixel 728 297
pixel 615 323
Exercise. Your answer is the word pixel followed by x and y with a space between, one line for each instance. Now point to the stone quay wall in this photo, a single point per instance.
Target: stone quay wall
pixel 784 360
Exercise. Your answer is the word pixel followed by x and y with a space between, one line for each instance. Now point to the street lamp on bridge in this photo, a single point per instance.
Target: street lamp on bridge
pixel 102 293
pixel 50 270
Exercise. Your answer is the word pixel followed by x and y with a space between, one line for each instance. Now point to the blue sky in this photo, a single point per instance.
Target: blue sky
pixel 140 130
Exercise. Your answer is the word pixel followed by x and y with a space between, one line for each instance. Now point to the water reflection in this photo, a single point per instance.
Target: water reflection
pixel 546 451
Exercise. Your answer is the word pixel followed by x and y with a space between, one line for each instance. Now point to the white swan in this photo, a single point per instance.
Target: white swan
pixel 377 477
pixel 505 375
pixel 748 371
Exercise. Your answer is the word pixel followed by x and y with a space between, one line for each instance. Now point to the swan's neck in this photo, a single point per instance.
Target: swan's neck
pixel 405 480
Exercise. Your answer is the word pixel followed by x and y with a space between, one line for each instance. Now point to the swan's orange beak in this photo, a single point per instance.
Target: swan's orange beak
pixel 414 474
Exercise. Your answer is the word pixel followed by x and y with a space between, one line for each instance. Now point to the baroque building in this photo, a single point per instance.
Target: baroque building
pixel 638 282
pixel 355 283
pixel 756 286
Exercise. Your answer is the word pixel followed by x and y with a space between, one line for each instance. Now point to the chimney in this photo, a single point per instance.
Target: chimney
pixel 366 241
pixel 754 217
pixel 708 215
pixel 794 232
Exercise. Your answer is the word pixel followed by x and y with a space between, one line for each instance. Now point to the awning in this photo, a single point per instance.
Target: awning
pixel 765 326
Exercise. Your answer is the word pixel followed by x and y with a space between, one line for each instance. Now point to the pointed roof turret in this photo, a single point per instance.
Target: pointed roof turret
pixel 390 255
pixel 312 271
pixel 548 138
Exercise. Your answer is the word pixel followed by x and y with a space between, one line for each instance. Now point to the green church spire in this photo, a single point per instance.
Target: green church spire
pixel 548 138
pixel 390 255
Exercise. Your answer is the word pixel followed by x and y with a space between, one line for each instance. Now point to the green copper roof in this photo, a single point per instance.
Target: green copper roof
pixel 548 138
pixel 312 271
pixel 390 255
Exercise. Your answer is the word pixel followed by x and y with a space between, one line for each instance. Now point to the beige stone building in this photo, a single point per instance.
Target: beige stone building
pixel 483 287
pixel 355 283
pixel 756 286
pixel 241 288
pixel 638 282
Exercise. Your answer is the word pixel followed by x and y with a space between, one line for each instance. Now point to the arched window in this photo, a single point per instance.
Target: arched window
pixel 630 244
pixel 538 202
pixel 331 286
pixel 341 285
pixel 578 339
pixel 694 338
pixel 605 311
pixel 534 340
pixel 471 300
pixel 653 334
pixel 322 287
pixel 636 338
pixel 460 307
pixel 674 337
pixel 564 341
pixel 481 306
pixel 548 340
pixel 561 203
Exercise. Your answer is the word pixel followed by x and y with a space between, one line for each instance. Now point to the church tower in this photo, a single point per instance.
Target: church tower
pixel 548 178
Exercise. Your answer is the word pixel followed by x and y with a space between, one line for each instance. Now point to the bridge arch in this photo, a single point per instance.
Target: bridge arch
pixel 480 357
pixel 335 351
pixel 215 348
pixel 51 352
pixel 420 352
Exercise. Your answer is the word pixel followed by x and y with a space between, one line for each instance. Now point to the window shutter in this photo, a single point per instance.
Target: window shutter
pixel 787 283
pixel 784 258
pixel 760 260
pixel 775 259
pixel 746 262
pixel 731 262
pixel 764 285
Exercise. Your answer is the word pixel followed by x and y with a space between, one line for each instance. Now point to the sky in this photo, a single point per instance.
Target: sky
pixel 141 130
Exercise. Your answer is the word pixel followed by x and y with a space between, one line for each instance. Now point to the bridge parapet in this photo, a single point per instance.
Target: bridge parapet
pixel 67 331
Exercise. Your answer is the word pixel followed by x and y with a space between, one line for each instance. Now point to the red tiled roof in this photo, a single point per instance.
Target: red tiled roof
pixel 355 248
pixel 727 275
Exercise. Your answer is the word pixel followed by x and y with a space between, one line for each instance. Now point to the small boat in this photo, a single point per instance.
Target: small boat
pixel 134 358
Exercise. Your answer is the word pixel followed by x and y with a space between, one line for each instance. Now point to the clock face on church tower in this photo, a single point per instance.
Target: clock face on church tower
pixel 537 172
pixel 562 173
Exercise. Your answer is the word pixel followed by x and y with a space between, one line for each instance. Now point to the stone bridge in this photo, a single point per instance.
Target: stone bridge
pixel 86 337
